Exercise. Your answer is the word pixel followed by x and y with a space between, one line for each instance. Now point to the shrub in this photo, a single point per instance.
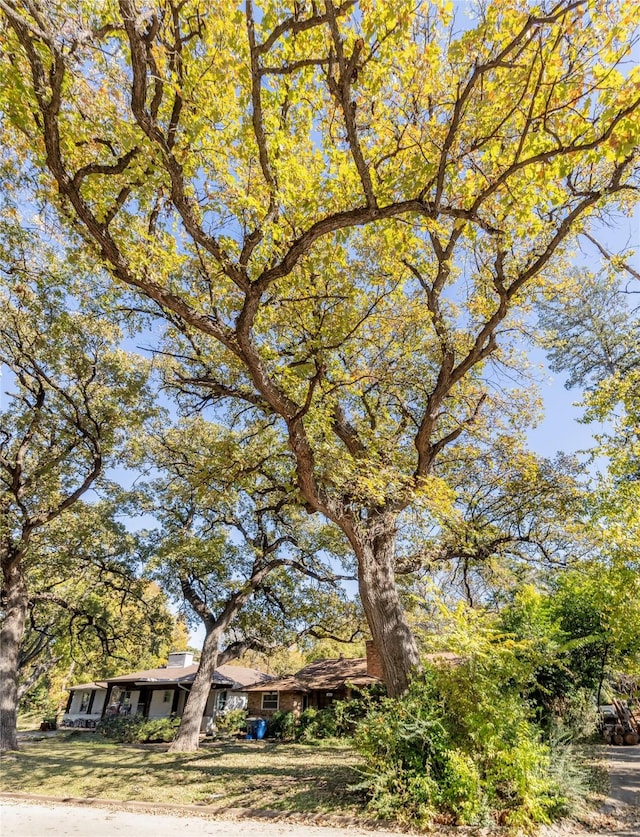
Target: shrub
pixel 460 746
pixel 232 722
pixel 339 720
pixel 574 718
pixel 157 730
pixel 348 713
pixel 121 728
pixel 281 725
pixel 314 724
pixel 134 729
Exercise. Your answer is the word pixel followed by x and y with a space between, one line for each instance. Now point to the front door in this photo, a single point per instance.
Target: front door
pixel 144 699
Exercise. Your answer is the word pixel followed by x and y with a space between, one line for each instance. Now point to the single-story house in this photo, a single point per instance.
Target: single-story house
pixel 85 704
pixel 159 692
pixel 315 686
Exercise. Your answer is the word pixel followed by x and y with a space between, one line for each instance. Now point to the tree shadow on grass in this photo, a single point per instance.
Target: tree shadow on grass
pixel 257 775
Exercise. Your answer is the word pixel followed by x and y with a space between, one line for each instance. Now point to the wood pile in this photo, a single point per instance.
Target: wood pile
pixel 626 729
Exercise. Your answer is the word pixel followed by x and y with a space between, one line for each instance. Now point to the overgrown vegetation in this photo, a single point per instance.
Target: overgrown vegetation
pixel 338 720
pixel 134 729
pixel 230 723
pixel 486 737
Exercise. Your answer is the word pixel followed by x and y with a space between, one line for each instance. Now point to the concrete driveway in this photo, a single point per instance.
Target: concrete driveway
pixel 623 803
pixel 624 773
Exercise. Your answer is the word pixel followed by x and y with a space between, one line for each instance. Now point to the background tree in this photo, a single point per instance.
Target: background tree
pixel 597 608
pixel 71 394
pixel 341 210
pixel 231 546
pixel 89 611
pixel 591 330
pixel 593 335
pixel 513 519
pixel 582 632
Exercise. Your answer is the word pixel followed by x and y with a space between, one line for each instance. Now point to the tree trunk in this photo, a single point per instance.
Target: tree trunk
pixel 386 618
pixel 11 633
pixel 188 738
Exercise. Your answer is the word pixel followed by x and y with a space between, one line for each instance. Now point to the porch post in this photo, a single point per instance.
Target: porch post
pixel 176 699
pixel 107 699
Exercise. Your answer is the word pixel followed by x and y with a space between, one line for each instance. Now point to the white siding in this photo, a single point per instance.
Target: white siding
pixel 159 708
pixel 236 700
pixel 74 713
pixel 98 701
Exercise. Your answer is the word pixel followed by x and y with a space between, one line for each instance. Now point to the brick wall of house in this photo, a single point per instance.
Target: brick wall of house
pixel 374 663
pixel 288 702
pixel 254 704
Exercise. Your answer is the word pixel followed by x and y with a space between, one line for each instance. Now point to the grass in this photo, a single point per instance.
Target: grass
pixel 29 721
pixel 251 774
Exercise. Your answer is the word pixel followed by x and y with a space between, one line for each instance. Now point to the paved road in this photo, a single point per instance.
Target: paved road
pixel 19 819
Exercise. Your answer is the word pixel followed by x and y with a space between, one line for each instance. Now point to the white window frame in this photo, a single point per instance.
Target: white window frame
pixel 266 695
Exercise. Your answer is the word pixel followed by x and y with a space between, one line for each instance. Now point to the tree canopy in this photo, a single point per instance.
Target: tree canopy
pixel 72 394
pixel 342 212
pixel 234 546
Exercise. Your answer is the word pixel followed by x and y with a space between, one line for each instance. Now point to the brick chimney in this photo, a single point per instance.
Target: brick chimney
pixel 374 663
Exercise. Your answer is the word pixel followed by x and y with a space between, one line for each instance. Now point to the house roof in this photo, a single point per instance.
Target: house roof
pixel 88 686
pixel 243 676
pixel 448 657
pixel 172 674
pixel 323 674
pixel 224 676
pixel 334 674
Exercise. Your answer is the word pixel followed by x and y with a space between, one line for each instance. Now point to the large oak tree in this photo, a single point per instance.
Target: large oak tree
pixel 340 208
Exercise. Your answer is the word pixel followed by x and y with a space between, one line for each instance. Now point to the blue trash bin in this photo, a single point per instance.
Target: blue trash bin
pixel 261 728
pixel 252 730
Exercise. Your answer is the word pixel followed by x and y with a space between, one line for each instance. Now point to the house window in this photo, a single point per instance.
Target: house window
pixel 167 696
pixel 125 703
pixel 84 703
pixel 221 701
pixel 270 700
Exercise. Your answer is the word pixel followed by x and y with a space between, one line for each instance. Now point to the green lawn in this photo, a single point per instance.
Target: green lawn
pixel 253 774
pixel 29 721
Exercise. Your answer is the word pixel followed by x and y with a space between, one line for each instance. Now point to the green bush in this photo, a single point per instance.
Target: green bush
pixel 134 729
pixel 281 725
pixel 348 713
pixel 575 717
pixel 121 728
pixel 232 722
pixel 315 724
pixel 460 747
pixel 158 729
pixel 339 720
